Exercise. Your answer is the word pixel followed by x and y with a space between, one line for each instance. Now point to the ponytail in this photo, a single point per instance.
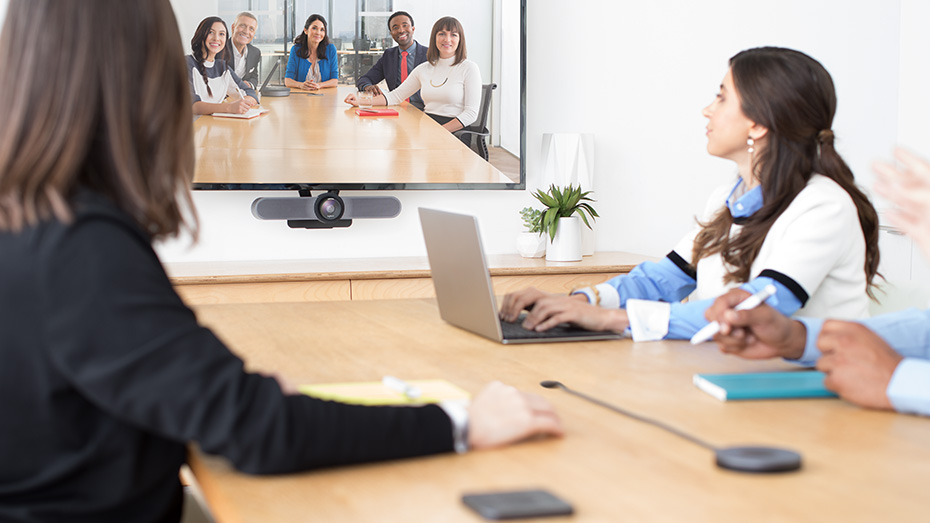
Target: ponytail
pixel 830 164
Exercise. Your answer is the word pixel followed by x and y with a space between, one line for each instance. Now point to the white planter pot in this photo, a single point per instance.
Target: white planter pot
pixel 567 243
pixel 531 244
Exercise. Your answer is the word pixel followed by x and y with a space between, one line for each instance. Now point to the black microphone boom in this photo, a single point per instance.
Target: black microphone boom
pixel 741 458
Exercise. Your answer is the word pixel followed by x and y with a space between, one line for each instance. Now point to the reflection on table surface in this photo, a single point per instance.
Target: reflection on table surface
pixel 320 139
pixel 859 465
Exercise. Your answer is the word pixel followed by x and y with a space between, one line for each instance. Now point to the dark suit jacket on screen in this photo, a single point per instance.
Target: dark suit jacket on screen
pixel 388 68
pixel 251 65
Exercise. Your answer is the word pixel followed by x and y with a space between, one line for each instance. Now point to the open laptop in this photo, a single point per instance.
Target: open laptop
pixel 463 283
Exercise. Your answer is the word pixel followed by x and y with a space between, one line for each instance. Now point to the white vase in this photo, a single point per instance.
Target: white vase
pixel 531 244
pixel 567 243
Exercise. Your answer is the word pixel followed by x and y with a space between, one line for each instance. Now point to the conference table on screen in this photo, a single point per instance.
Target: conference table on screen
pixel 305 138
pixel 859 465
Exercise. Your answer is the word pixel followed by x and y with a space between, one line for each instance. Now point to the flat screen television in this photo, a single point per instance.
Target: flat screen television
pixel 318 142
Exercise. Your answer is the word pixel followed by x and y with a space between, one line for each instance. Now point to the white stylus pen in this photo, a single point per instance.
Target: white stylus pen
pixel 751 302
pixel 410 391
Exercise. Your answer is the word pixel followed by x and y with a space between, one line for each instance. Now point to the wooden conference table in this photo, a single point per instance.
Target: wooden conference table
pixel 319 139
pixel 859 465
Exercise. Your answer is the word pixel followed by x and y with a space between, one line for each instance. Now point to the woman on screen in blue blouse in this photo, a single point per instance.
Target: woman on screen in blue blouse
pixel 313 63
pixel 793 218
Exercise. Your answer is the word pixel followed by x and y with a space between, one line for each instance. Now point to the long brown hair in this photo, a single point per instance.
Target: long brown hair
pixel 303 43
pixel 199 47
pixel 792 95
pixel 120 126
pixel 447 23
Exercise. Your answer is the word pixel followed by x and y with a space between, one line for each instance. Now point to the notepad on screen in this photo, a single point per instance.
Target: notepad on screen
pixel 764 385
pixel 251 113
pixel 376 112
pixel 376 393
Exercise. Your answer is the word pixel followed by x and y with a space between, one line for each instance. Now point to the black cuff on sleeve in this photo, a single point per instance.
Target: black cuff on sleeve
pixel 683 265
pixel 785 280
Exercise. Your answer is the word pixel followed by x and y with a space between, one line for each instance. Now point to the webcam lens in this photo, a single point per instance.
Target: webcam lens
pixel 330 209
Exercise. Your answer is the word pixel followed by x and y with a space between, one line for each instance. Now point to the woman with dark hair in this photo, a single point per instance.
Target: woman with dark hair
pixel 449 84
pixel 210 73
pixel 105 373
pixel 313 63
pixel 794 218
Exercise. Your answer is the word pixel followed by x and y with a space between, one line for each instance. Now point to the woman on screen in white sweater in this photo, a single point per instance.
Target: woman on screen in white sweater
pixel 449 84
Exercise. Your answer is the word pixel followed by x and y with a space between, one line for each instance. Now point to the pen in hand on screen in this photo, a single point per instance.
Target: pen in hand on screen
pixel 751 302
pixel 408 390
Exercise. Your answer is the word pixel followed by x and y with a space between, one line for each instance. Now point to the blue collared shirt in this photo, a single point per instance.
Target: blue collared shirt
pixel 666 281
pixel 908 333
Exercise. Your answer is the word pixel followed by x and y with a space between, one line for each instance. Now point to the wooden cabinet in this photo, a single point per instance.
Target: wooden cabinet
pixel 375 279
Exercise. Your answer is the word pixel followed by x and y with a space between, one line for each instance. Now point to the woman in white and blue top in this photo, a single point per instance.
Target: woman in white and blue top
pixel 449 85
pixel 794 218
pixel 210 77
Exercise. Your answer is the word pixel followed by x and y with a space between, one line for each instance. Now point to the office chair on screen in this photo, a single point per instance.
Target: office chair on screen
pixel 474 135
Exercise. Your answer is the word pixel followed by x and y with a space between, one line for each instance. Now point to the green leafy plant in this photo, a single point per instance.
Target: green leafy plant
pixel 562 203
pixel 532 219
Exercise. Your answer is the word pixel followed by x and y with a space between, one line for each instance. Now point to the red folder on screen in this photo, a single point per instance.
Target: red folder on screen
pixel 376 112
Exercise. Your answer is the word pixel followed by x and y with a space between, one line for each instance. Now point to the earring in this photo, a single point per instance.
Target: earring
pixel 750 142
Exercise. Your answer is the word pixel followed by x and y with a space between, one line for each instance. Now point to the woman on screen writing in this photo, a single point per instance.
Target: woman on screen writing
pixel 105 371
pixel 210 77
pixel 313 63
pixel 794 218
pixel 449 84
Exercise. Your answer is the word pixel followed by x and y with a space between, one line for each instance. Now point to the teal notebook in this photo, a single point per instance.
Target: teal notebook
pixel 764 385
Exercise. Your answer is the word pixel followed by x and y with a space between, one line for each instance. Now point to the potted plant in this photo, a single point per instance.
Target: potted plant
pixel 531 243
pixel 560 221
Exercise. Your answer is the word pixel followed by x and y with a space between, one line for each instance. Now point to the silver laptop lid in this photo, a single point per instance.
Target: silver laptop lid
pixel 460 272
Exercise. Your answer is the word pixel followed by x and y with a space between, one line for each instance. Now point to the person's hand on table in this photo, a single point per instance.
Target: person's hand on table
pixel 758 333
pixel 251 101
pixel 857 362
pixel 309 85
pixel 352 100
pixel 500 415
pixel 238 107
pixel 516 302
pixel 548 310
pixel 374 90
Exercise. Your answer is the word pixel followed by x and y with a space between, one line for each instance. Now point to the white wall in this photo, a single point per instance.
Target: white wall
pixel 636 74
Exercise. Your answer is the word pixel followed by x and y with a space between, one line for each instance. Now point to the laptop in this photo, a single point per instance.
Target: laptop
pixel 463 284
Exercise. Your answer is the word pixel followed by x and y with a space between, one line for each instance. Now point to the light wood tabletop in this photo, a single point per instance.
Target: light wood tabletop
pixel 859 465
pixel 318 138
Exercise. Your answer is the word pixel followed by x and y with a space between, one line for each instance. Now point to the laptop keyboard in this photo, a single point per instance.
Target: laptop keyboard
pixel 515 331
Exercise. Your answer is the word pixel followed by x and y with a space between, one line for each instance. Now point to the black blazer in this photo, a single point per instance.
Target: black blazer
pixel 388 68
pixel 251 65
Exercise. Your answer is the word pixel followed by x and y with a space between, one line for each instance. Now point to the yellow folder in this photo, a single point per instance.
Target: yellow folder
pixel 376 393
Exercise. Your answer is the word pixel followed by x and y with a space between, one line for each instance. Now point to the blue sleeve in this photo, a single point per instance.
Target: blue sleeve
pixel 373 76
pixel 292 65
pixel 685 319
pixel 331 64
pixel 655 281
pixel 908 333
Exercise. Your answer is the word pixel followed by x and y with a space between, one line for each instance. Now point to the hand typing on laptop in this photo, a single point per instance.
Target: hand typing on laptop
pixel 548 310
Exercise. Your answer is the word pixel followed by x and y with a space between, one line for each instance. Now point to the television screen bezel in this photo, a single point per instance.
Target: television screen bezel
pixel 307 187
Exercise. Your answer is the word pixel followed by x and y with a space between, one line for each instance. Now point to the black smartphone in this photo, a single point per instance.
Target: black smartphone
pixel 517 504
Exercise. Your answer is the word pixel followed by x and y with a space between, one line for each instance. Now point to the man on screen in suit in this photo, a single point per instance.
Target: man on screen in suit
pixel 397 62
pixel 246 56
